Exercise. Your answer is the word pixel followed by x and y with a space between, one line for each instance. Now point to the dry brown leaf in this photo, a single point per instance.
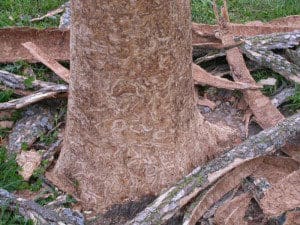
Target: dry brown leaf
pixel 282 196
pixel 29 161
pixel 233 211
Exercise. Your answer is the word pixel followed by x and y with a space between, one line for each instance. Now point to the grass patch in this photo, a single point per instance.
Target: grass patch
pixel 20 12
pixel 7 217
pixel 246 10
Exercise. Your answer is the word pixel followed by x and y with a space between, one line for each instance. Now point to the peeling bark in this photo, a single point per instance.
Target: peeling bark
pixel 283 196
pixel 170 202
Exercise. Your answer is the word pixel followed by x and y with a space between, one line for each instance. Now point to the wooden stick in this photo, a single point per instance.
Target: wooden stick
pixel 172 200
pixel 44 93
pixel 57 68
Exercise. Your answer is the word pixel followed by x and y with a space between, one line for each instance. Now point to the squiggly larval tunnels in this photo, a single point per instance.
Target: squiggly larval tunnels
pixel 132 125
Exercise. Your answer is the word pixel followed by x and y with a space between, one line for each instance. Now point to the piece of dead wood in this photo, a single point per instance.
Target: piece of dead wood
pixel 50 13
pixel 233 178
pixel 204 78
pixel 172 200
pixel 18 82
pixel 259 48
pixel 28 161
pixel 203 34
pixel 283 196
pixel 265 112
pixel 54 41
pixel 16 91
pixel 43 93
pixel 233 212
pixel 39 214
pixel 44 58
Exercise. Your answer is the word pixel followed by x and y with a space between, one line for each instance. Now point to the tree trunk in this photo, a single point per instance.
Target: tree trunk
pixel 132 128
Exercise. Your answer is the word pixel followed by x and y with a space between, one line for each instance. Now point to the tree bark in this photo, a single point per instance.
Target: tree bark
pixel 132 126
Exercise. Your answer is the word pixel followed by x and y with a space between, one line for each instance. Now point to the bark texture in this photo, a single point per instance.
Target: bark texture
pixel 132 127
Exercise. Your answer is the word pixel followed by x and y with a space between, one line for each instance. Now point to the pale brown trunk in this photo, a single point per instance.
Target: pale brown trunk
pixel 132 127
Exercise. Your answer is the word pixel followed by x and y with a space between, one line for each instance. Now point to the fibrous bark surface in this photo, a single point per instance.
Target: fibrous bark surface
pixel 53 41
pixel 132 126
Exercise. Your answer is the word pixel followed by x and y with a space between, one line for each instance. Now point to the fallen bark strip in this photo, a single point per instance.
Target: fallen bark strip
pixel 233 212
pixel 291 21
pixel 18 82
pixel 44 93
pixel 50 13
pixel 171 201
pixel 204 78
pixel 57 68
pixel 283 196
pixel 53 41
pixel 277 165
pixel 40 215
pixel 265 112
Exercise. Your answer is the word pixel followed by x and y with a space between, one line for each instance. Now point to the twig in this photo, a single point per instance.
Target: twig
pixel 283 96
pixel 61 71
pixel 171 201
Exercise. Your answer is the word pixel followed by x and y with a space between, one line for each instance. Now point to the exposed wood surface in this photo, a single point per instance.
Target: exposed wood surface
pixel 40 55
pixel 172 200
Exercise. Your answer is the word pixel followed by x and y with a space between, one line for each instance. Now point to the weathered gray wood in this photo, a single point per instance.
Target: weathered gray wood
pixel 40 215
pixel 283 96
pixel 43 93
pixel 259 48
pixel 172 200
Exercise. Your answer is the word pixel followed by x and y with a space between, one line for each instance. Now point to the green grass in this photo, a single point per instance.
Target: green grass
pixel 19 12
pixel 246 10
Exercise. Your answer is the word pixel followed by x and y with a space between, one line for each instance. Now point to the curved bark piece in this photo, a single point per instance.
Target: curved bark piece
pixel 271 168
pixel 283 196
pixel 204 78
pixel 233 211
pixel 55 42
pixel 167 204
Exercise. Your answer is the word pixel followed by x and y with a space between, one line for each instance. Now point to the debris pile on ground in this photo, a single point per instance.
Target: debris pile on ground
pixel 257 182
